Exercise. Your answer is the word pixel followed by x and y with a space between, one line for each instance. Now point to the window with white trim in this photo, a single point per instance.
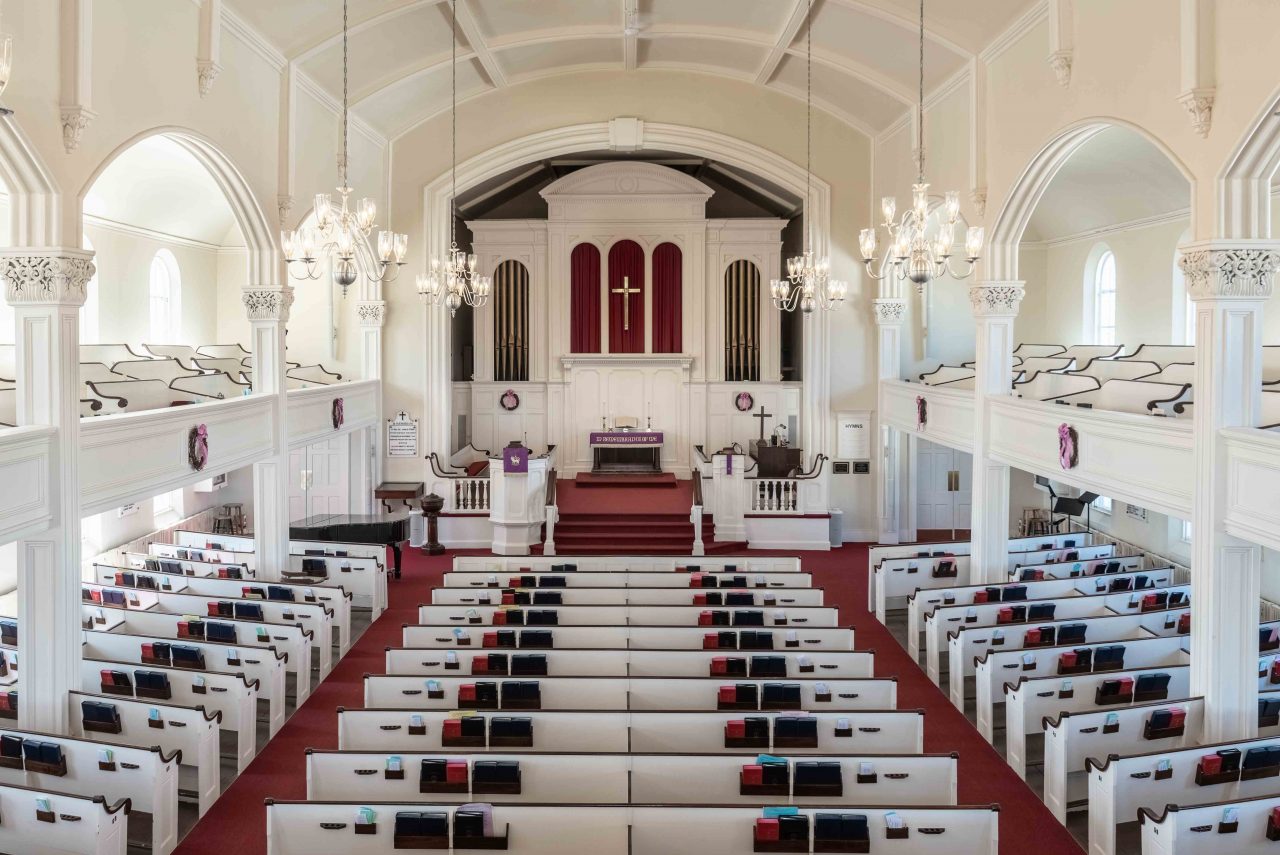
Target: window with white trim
pixel 89 312
pixel 1186 531
pixel 165 292
pixel 1104 299
pixel 1102 504
pixel 167 504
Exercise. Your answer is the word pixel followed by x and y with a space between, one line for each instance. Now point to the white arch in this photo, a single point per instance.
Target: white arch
pixel 1244 184
pixel 259 237
pixel 1026 192
pixel 35 203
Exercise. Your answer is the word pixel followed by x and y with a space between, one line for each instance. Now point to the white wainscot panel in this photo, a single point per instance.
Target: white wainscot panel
pixel 493 426
pixel 1253 485
pixel 25 454
pixel 311 410
pixel 1141 460
pixel 950 412
pixel 132 456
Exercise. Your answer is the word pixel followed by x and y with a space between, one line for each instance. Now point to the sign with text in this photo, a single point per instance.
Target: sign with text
pixel 635 437
pixel 402 436
pixel 853 435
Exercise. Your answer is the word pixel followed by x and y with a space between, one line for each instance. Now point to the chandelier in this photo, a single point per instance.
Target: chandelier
pixel 454 281
pixel 912 255
pixel 340 231
pixel 808 284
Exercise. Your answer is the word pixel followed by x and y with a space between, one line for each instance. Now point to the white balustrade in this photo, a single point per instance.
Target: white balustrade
pixel 469 495
pixel 774 495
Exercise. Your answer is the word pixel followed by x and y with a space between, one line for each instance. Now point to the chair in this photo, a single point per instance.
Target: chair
pixel 237 517
pixel 223 520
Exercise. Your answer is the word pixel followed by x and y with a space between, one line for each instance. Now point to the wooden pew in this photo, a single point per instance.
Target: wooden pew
pixel 291 640
pixel 157 562
pixel 266 667
pixel 1104 370
pixel 1163 354
pixel 622 778
pixel 92 825
pixel 407 661
pixel 631 596
pixel 313 617
pixel 233 696
pixel 1179 830
pixel 1119 786
pixel 146 777
pixel 621 693
pixel 996 669
pixel 190 733
pixel 1026 350
pixel 880 552
pixel 689 615
pixel 625 579
pixel 1134 396
pixel 924 604
pixel 331 598
pixel 886 731
pixel 634 637
pixel 649 563
pixel 303 828
pixel 964 646
pixel 1051 386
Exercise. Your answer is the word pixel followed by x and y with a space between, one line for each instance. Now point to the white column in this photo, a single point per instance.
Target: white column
pixel 1229 285
pixel 373 317
pixel 268 310
pixel 438 400
pixel 995 307
pixel 889 317
pixel 815 395
pixel 46 289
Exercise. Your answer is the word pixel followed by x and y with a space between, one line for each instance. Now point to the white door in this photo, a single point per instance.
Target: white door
pixel 318 479
pixel 944 494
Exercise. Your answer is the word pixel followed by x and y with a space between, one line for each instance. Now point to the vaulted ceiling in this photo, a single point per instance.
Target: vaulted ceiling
pixel 864 51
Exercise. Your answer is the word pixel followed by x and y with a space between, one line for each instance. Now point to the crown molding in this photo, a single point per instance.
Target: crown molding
pixel 1012 34
pixel 156 235
pixel 1114 228
pixel 305 83
pixel 252 39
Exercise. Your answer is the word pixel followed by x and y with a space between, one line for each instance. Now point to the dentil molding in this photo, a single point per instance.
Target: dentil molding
pixel 1199 106
pixel 1247 272
pixel 372 313
pixel 263 304
pixel 57 277
pixel 890 312
pixel 996 299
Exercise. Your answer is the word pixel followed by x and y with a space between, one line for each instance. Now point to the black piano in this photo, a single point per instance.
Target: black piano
pixel 355 528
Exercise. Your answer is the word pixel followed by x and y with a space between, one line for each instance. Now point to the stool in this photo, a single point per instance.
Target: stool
pixel 223 520
pixel 237 517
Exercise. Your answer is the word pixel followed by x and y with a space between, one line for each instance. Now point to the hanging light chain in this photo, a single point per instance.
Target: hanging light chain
pixel 453 112
pixel 920 116
pixel 808 128
pixel 345 120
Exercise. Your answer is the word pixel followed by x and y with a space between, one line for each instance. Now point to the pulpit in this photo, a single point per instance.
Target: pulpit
pixel 775 461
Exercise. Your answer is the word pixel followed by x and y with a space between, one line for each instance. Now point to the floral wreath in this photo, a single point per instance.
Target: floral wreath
pixel 1068 442
pixel 339 413
pixel 744 402
pixel 509 400
pixel 922 412
pixel 198 447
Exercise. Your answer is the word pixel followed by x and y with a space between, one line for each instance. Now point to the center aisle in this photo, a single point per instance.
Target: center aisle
pixel 236 825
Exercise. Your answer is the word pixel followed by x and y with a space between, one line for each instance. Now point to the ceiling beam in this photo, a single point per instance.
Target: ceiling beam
pixel 475 38
pixel 335 39
pixel 795 21
pixel 630 21
pixel 534 171
pixel 894 88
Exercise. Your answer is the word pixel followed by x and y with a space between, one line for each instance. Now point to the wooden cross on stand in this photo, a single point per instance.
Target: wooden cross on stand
pixel 762 415
pixel 626 291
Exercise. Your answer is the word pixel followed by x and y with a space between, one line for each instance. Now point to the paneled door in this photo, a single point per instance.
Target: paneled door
pixel 944 492
pixel 318 479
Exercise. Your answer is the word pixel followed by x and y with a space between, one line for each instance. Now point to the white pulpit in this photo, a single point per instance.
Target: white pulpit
pixel 517 509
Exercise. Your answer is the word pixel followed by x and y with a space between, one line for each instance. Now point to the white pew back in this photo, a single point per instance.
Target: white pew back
pixel 649 563
pixel 684 732
pixel 632 637
pixel 82 825
pixel 1198 830
pixel 686 615
pixel 621 693
pixel 1049 386
pixel 631 596
pixel 1103 370
pixel 623 579
pixel 900 779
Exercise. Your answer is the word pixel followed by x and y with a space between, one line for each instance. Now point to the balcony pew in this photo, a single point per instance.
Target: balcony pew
pixel 1051 386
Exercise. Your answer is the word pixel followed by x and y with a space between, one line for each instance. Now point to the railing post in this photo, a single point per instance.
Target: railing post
pixel 695 517
pixel 552 515
pixel 731 501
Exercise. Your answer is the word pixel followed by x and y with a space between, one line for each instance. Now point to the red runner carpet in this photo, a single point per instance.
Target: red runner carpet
pixel 236 825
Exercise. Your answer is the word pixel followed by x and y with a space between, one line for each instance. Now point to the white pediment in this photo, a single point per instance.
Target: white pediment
pixel 632 191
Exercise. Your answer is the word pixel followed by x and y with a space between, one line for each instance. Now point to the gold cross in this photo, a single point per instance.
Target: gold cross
pixel 626 291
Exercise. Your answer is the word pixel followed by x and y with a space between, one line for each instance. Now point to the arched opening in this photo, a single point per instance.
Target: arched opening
pixel 626 297
pixel 584 299
pixel 742 321
pixel 668 296
pixel 511 322
pixel 1100 296
pixel 165 293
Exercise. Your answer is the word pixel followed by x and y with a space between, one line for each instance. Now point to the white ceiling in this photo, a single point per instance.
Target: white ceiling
pixel 1116 177
pixel 864 50
pixel 158 185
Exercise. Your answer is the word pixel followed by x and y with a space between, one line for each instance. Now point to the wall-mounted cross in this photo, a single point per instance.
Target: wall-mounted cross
pixel 762 415
pixel 626 291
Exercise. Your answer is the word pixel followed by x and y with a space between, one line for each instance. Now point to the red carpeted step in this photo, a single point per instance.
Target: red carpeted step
pixel 663 480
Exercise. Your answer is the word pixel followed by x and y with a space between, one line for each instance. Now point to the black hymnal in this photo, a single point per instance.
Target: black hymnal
pixel 248 611
pixel 1041 611
pixel 755 640
pixel 768 666
pixel 515 726
pixel 224 632
pixel 529 663
pixel 536 638
pixel 496 772
pixel 547 598
pixel 749 617
pixel 279 592
pixel 542 617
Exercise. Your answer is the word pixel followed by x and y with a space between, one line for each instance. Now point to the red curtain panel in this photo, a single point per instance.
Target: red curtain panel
pixel 668 275
pixel 584 299
pixel 626 323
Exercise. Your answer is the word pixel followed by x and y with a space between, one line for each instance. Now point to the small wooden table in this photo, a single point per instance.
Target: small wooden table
pixel 404 491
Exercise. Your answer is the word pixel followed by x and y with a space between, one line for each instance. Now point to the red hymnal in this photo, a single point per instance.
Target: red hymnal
pixel 1032 637
pixel 979 596
pixel 1126 685
pixel 499 618
pixel 453 727
pixel 1006 615
pixel 455 772
pixel 467 692
pixel 1184 622
pixel 1067 660
pixel 736 729
pixel 699 599
pixel 710 641
pixel 479 664
pixel 1177 717
pixel 766 829
pixel 508 598
pixel 720 665
pixel 728 694
pixel 753 775
pixel 704 618
pixel 490 639
pixel 1211 764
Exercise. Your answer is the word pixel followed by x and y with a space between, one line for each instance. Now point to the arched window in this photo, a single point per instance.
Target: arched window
pixel 165 291
pixel 89 312
pixel 1103 296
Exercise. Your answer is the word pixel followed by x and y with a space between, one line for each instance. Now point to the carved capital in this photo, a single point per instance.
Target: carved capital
pixel 996 299
pixel 1243 272
pixel 56 277
pixel 978 195
pixel 1199 106
pixel 890 312
pixel 372 313
pixel 1060 62
pixel 74 121
pixel 284 204
pixel 268 304
pixel 206 73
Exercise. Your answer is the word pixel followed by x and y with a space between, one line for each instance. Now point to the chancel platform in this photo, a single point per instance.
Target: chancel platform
pixel 626 451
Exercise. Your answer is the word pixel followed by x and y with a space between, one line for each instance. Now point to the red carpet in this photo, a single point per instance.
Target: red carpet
pixel 237 822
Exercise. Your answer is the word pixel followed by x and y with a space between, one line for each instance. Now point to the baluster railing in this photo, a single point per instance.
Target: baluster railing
pixel 470 495
pixel 775 495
